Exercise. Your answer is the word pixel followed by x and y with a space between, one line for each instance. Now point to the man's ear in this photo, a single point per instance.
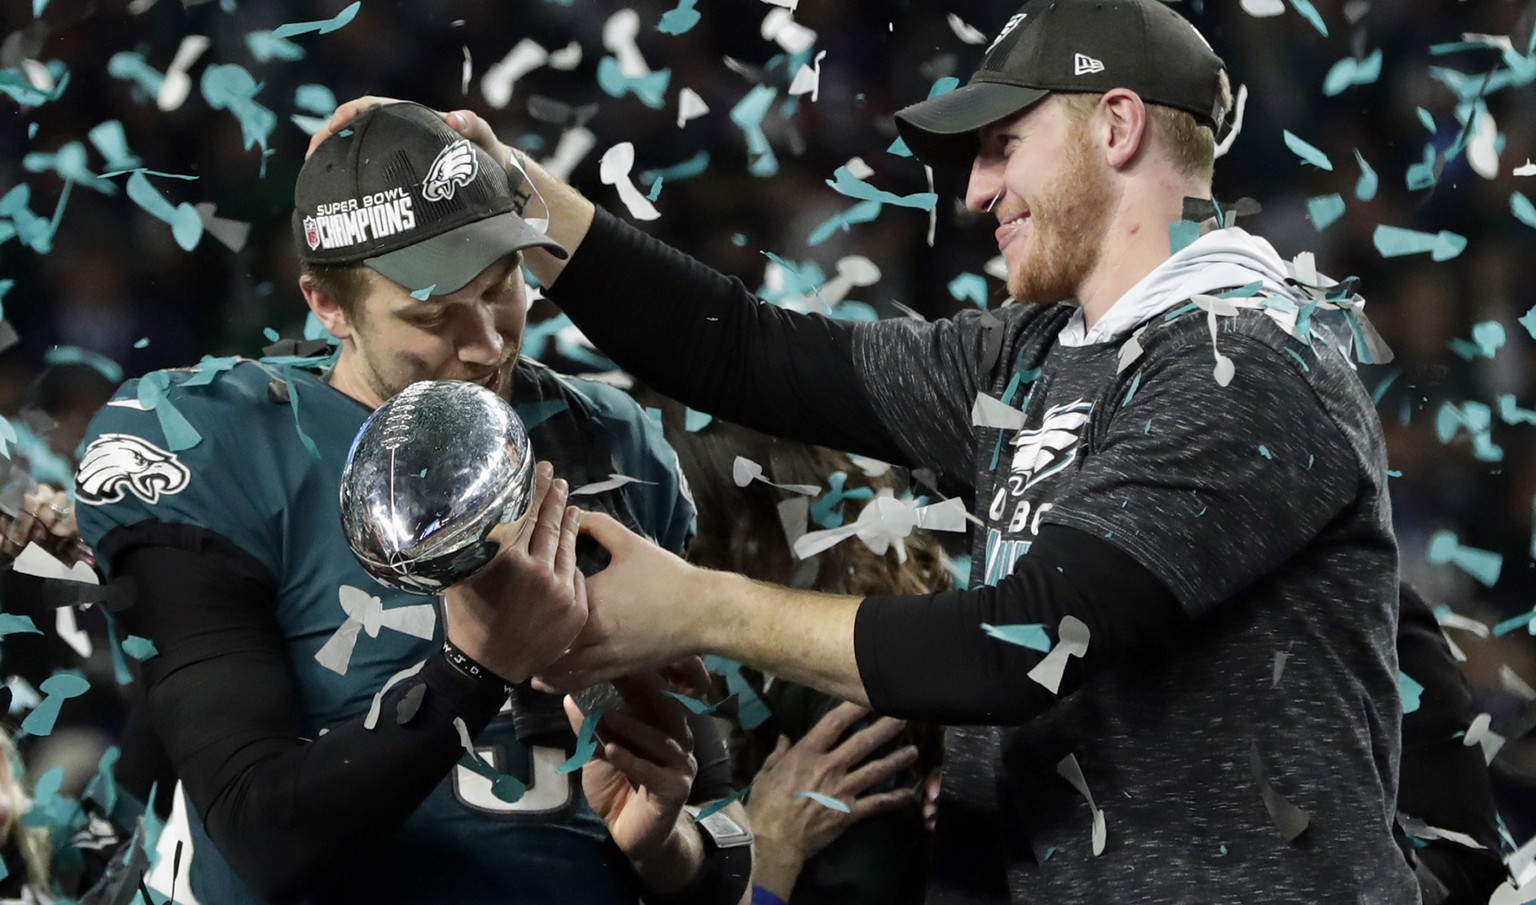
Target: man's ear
pixel 327 310
pixel 1124 122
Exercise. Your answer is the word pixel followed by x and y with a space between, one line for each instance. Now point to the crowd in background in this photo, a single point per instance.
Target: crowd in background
pixel 111 286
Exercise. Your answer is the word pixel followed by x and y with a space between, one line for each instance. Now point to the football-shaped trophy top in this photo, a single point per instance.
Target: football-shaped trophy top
pixel 437 479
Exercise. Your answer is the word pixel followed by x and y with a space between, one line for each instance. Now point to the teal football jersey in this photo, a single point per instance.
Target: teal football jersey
pixel 251 477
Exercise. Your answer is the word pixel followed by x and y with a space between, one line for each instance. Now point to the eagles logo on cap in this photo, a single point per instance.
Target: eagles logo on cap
pixel 454 166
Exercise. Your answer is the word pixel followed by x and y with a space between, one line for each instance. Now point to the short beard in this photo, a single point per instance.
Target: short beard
pixel 1068 228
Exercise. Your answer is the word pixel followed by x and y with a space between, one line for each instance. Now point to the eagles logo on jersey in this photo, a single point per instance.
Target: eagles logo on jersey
pixel 118 463
pixel 1050 447
pixel 454 166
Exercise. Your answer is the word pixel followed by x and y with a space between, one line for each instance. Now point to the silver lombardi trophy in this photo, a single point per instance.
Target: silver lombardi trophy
pixel 438 478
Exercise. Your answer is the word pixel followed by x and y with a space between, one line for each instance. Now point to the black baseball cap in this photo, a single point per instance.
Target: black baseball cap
pixel 1070 46
pixel 402 192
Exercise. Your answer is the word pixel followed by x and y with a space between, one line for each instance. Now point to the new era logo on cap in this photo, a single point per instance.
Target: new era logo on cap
pixel 1082 64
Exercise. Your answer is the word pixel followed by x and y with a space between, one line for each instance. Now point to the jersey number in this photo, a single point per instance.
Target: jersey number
pixel 548 789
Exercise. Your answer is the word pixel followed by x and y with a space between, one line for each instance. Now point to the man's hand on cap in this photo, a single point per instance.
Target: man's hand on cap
pixel 466 122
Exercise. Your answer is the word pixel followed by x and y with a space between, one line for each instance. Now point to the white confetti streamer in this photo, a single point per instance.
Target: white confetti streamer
pixel 497 83
pixel 614 169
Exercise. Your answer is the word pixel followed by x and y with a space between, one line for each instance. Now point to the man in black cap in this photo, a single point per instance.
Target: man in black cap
pixel 338 741
pixel 1179 479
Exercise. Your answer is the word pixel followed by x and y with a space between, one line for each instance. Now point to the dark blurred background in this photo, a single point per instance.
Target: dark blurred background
pixel 112 280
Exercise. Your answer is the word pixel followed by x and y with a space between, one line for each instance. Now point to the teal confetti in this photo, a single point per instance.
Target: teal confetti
pixel 14 624
pixel 1135 385
pixel 209 369
pixel 152 394
pixel 56 813
pixel 230 87
pixel 1264 451
pixel 1394 241
pixel 1483 565
pixel 57 688
pixel 1511 413
pixel 1307 152
pixel 970 287
pixel 1526 620
pixel 677 172
pixel 826 801
pixel 5 287
pixel 1032 636
pixel 20 89
pixel 1489 337
pixel 586 742
pixel 1325 210
pixel 130 66
pixel 508 788
pixel 680 20
pixel 650 88
pixel 696 421
pixel 845 183
pixel 655 191
pixel 32 230
pixel 1523 209
pixel 1349 71
pixel 1528 321
pixel 1477 419
pixel 1181 234
pixel 69 161
pixel 751 711
pixel 1365 188
pixel 421 295
pixel 748 115
pixel 139 648
pixel 943 86
pixel 141 343
pixel 1426 119
pixel 271 334
pixel 313 329
pixel 694 705
pixel 317 99
pixel 290 378
pixel 1411 692
pixel 863 212
pixel 1423 174
pixel 8 437
pixel 105 366
pixel 186 224
pixel 1223 849
pixel 266 47
pixel 899 148
pixel 120 669
pixel 323 26
pixel 1310 13
pixel 720 804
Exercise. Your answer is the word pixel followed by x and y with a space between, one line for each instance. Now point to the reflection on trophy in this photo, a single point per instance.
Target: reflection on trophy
pixel 438 478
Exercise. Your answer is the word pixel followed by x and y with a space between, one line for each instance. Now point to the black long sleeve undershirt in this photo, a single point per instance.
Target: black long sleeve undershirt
pixel 287 811
pixel 722 351
pixel 283 810
pixel 926 657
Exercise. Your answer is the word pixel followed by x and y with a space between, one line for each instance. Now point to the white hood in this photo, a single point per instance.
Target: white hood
pixel 1220 259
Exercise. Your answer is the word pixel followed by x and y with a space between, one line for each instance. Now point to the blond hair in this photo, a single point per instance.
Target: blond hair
pixel 1191 145
pixel 34 843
